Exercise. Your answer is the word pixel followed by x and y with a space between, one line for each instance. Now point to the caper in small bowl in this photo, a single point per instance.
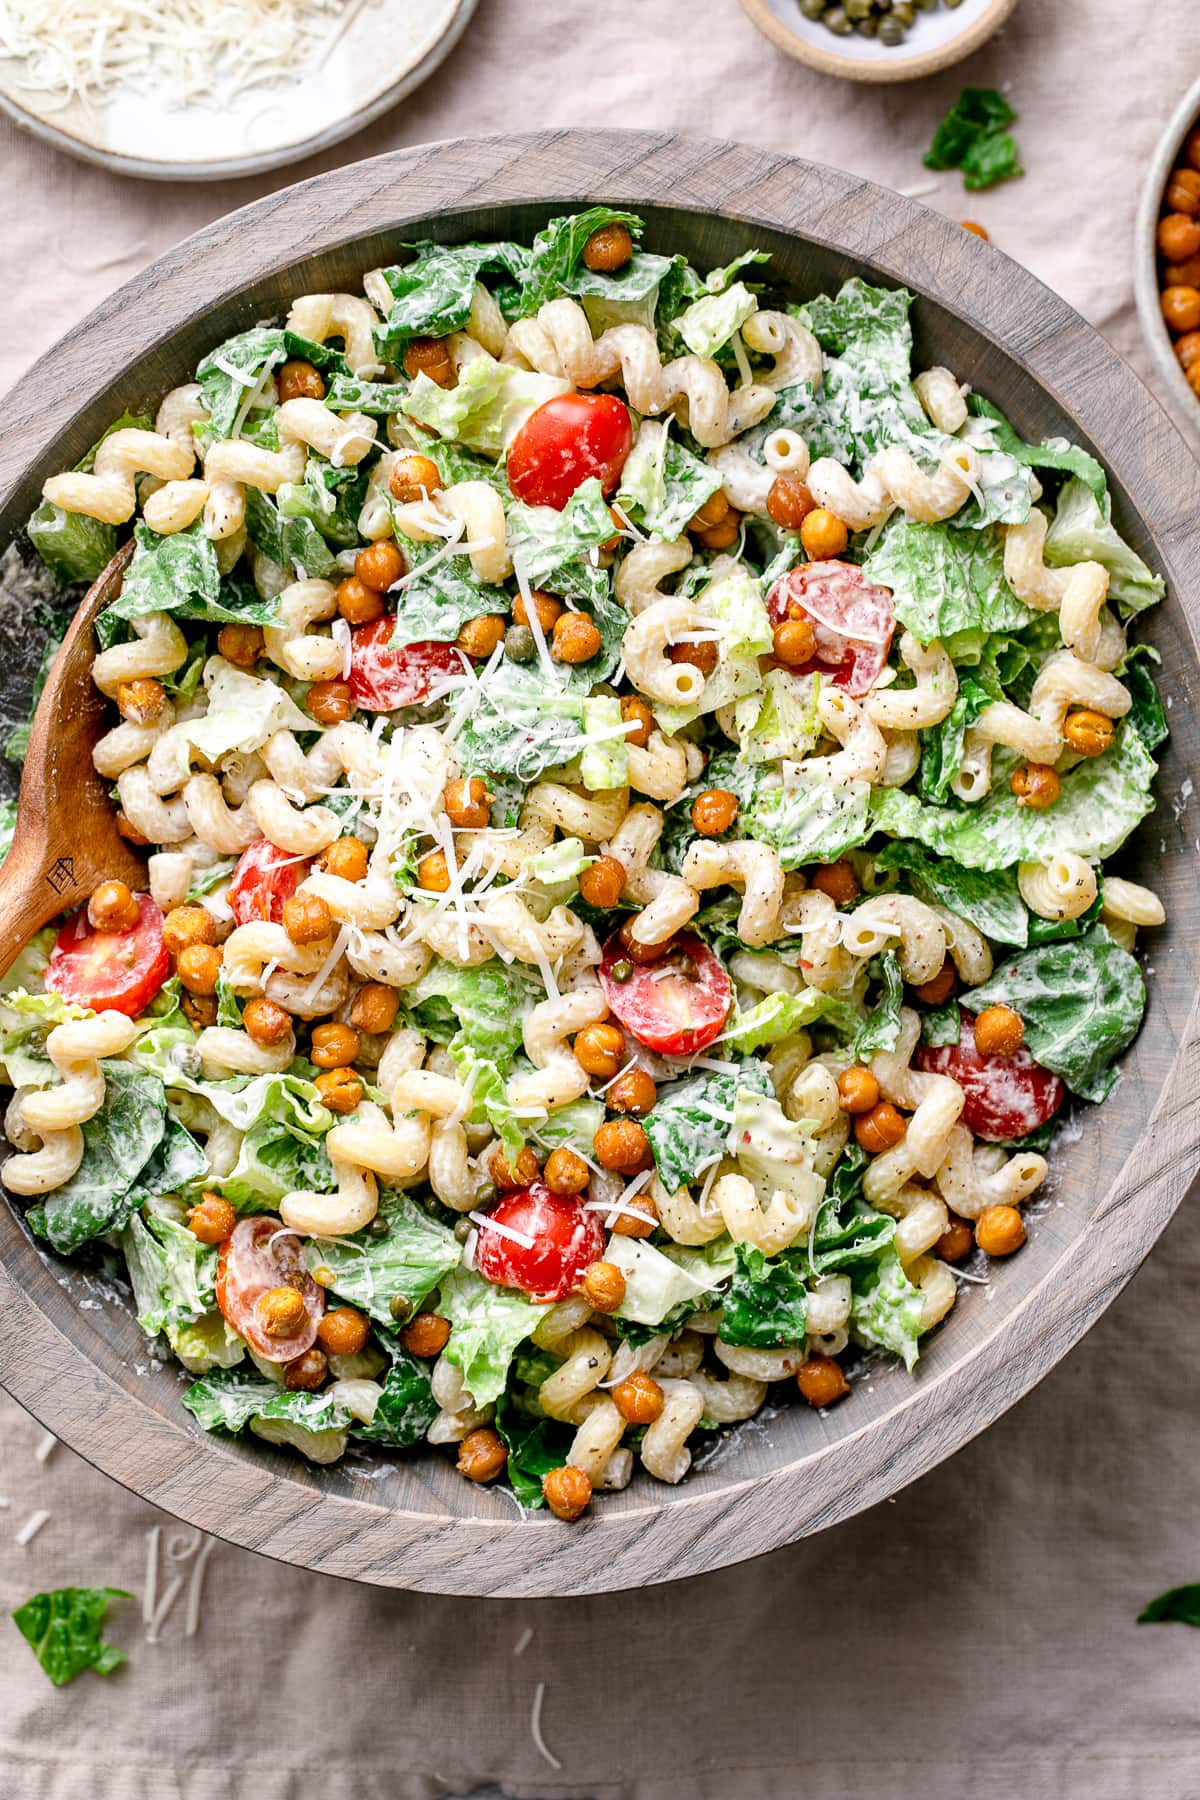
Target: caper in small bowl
pixel 878 40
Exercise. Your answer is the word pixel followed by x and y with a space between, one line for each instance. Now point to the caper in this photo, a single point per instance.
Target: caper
pixel 952 4
pixel 857 9
pixel 622 971
pixel 378 1227
pixel 813 9
pixel 485 1193
pixel 867 27
pixel 399 1306
pixel 463 1229
pixel 904 12
pixel 838 22
pixel 519 646
pixel 891 31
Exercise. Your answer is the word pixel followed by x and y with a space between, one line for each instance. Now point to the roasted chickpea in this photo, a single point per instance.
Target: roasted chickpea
pixel 198 967
pixel 567 1492
pixel 600 1050
pixel 603 1287
pixel 426 1334
pixel 880 1129
pixel 609 248
pixel 481 1455
pixel 638 711
pixel 938 989
pixel 113 908
pixel 1181 308
pixel 335 1046
pixel 724 535
pixel 211 1219
pixel 621 1144
pixel 1188 348
pixel 603 882
pixel 837 881
pixel 413 477
pixel 1191 148
pixel 141 701
pixel 242 645
pixel 575 639
pixel 1178 237
pixel 956 1242
pixel 789 502
pixel 433 872
pixel 281 1311
pixel 715 509
pixel 466 803
pixel 343 1331
pixel 266 1022
pixel 380 564
pixel 346 857
pixel 374 1008
pixel 200 1010
pixel 358 603
pixel 794 643
pixel 639 1399
pixel 340 1090
pixel 714 811
pixel 976 229
pixel 329 702
pixel 632 1092
pixel 999 1031
pixel 823 535
pixel 1183 192
pixel 298 380
pixel 1088 733
pixel 635 950
pixel 430 356
pixel 186 925
pixel 129 830
pixel 548 610
pixel 858 1090
pixel 821 1380
pixel 566 1173
pixel 509 1178
pixel 305 1373
pixel 637 1219
pixel 480 636
pixel 307 919
pixel 1036 785
pixel 999 1230
pixel 1184 274
pixel 701 656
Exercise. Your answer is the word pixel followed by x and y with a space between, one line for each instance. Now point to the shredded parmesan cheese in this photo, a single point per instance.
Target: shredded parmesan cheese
pixel 31 1527
pixel 539 1694
pixel 518 1237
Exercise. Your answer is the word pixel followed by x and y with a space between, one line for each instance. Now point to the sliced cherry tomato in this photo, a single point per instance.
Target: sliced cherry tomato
pixel 557 1240
pixel 264 878
pixel 121 970
pixel 565 442
pixel 383 679
pixel 676 1005
pixel 1007 1096
pixel 259 1255
pixel 852 620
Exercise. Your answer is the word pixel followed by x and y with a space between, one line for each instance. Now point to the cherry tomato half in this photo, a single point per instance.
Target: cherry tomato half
pixel 1007 1096
pixel 383 679
pixel 121 970
pixel 259 1255
pixel 676 1005
pixel 561 1241
pixel 852 620
pixel 264 878
pixel 565 442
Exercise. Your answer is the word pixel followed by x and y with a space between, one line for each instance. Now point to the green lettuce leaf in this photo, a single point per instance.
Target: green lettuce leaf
pixel 781 719
pixel 446 594
pixel 945 579
pixel 779 1016
pixel 72 546
pixel 558 549
pixel 989 900
pixel 62 1627
pixel 229 1399
pixel 172 1272
pixel 1178 1606
pixel 294 544
pixel 535 1446
pixel 766 1303
pixel 432 293
pixel 942 745
pixel 119 1140
pixel 520 723
pixel 709 323
pixel 1147 716
pixel 1082 531
pixel 1061 458
pixel 481 1008
pixel 811 820
pixel 179 575
pixel 657 1282
pixel 406 1408
pixel 972 138
pixel 732 604
pixel 691 1120
pixel 487 408
pixel 486 1325
pixel 885 1307
pixel 228 373
pixel 409 1261
pixel 880 1030
pixel 330 498
pixel 662 484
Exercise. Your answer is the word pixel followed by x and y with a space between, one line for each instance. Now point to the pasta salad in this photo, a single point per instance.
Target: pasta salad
pixel 629 773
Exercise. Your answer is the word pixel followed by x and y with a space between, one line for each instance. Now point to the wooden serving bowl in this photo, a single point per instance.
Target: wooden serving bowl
pixel 87 1373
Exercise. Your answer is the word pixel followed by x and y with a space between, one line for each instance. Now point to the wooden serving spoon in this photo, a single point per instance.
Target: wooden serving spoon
pixel 66 838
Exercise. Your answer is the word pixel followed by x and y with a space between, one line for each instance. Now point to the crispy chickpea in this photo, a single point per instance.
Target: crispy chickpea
pixel 715 509
pixel 1183 192
pixel 638 711
pixel 549 610
pixel 200 1010
pixel 343 1331
pixel 638 1219
pixel 999 1230
pixel 281 1311
pixel 340 1090
pixel 211 1219
pixel 638 952
pixel 714 811
pixel 608 249
pixel 621 1144
pixel 565 1173
pixel 306 1372
pixel 358 603
pixel 575 639
pixel 880 1129
pixel 374 1008
pixel 266 1022
pixel 724 535
pixel 1181 308
pixel 603 882
pixel 639 1399
pixel 567 1492
pixel 938 989
pixel 242 645
pixel 430 356
pixel 141 701
pixel 198 967
pixel 112 907
pixel 481 1455
pixel 600 1050
pixel 999 1031
pixel 1036 785
pixel 789 502
pixel 329 702
pixel 480 636
pixel 413 477
pixel 1088 733
pixel 1178 237
pixel 632 1092
pixel 335 1046
pixel 426 1334
pixel 1191 148
pixel 298 380
pixel 701 656
pixel 858 1091
pixel 380 564
pixel 976 229
pixel 821 1380
pixel 794 643
pixel 823 534
pixel 466 803
pixel 1184 274
pixel 186 925
pixel 307 919
pixel 956 1242
pixel 1188 348
pixel 837 881
pixel 603 1287
pixel 346 857
pixel 129 830
pixel 508 1178
pixel 433 872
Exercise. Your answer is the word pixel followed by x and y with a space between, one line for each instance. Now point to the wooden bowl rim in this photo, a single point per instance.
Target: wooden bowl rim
pixel 248 1499
pixel 1145 261
pixel 900 68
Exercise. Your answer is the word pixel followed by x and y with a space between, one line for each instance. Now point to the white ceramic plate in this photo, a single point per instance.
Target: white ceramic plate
pixel 387 49
pixel 935 39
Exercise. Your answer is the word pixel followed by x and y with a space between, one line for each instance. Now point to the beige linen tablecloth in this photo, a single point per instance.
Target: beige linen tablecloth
pixel 976 1636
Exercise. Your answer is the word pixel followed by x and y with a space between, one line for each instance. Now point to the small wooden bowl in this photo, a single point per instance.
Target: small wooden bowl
pixel 935 41
pixel 1145 267
pixel 412 1522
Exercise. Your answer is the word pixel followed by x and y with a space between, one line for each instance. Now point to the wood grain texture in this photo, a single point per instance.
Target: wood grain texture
pixel 85 1373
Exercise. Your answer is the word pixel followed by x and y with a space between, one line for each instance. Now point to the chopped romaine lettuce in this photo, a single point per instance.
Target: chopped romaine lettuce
pixel 486 1325
pixel 482 1007
pixel 62 1627
pixel 766 1304
pixel 881 1028
pixel 406 1408
pixel 710 322
pixel 691 1120
pixel 885 1307
pixel 371 1271
pixel 659 1281
pixel 662 484
pixel 945 579
pixel 988 899
pixel 1082 531
pixel 604 762
pixel 119 1140
pixel 487 408
pixel 433 293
